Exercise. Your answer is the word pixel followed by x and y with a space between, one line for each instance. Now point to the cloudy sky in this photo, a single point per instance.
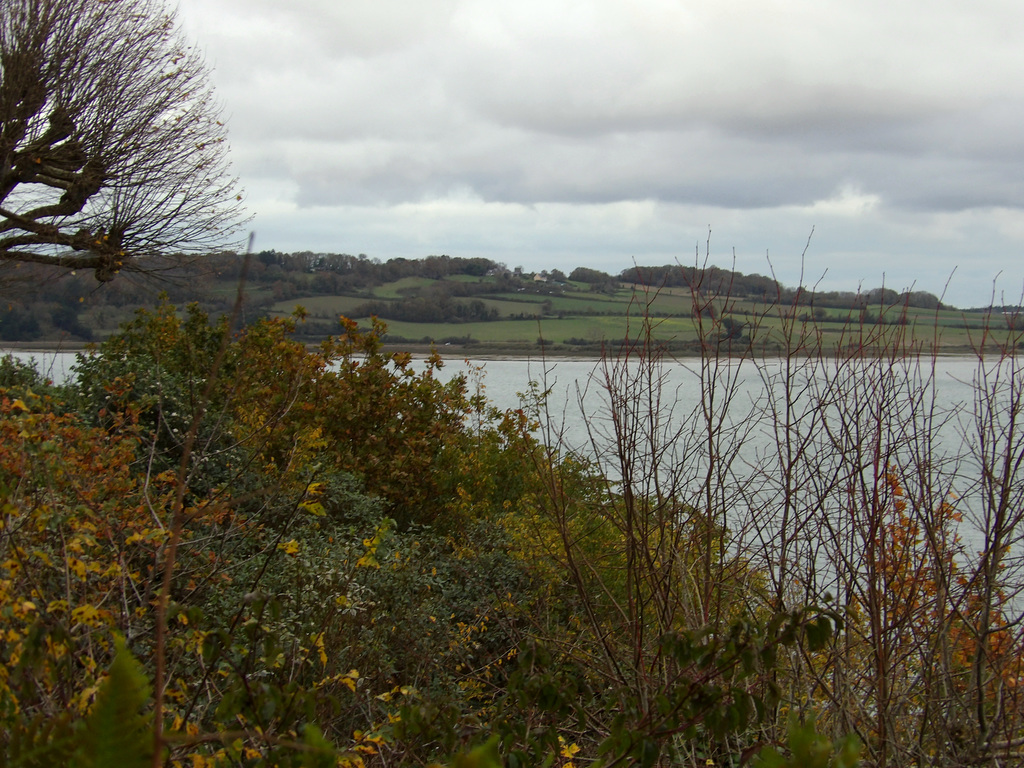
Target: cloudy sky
pixel 564 133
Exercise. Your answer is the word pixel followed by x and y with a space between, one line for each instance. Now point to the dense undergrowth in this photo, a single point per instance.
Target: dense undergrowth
pixel 228 549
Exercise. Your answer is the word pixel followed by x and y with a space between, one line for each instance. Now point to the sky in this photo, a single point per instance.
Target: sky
pixel 840 143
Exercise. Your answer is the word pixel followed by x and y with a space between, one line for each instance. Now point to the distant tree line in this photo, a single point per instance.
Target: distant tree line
pixel 37 303
pixel 716 281
pixel 437 308
pixel 362 271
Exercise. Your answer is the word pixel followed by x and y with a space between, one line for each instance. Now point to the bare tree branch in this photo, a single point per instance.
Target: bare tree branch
pixel 112 153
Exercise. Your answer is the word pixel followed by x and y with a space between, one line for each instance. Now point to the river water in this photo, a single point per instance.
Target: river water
pixel 577 395
pixel 760 443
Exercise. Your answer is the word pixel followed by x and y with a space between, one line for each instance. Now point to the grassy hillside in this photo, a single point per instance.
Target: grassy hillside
pixel 572 319
pixel 480 305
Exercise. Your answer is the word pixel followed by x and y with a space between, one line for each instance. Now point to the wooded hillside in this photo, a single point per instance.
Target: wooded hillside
pixel 469 303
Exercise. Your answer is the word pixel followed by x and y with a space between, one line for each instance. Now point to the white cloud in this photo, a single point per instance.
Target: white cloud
pixel 848 201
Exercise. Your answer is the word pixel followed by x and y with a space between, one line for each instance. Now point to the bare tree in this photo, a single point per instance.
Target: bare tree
pixel 112 153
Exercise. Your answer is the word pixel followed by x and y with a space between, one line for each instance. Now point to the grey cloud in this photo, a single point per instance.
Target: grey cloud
pixel 501 103
pixel 739 112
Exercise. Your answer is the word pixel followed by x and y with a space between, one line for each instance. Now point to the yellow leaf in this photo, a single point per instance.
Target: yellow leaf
pixel 319 641
pixel 86 614
pixel 368 561
pixel 314 508
pixel 350 679
pixel 57 606
pixel 289 547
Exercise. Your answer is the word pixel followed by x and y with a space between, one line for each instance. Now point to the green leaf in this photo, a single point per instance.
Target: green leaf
pixel 819 632
pixel 319 752
pixel 484 756
pixel 41 742
pixel 810 749
pixel 118 733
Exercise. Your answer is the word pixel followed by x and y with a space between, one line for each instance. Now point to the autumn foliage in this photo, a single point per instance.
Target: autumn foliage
pixel 303 567
pixel 248 552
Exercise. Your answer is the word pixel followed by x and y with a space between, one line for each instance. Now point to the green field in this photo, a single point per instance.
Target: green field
pixel 572 318
pixel 456 301
pixel 319 306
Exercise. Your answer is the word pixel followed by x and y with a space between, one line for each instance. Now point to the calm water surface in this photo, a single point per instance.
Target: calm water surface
pixel 578 414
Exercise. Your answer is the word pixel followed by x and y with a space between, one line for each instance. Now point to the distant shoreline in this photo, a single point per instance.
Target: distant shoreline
pixel 44 346
pixel 448 352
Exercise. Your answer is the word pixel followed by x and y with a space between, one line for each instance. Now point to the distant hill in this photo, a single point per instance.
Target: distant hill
pixel 437 299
